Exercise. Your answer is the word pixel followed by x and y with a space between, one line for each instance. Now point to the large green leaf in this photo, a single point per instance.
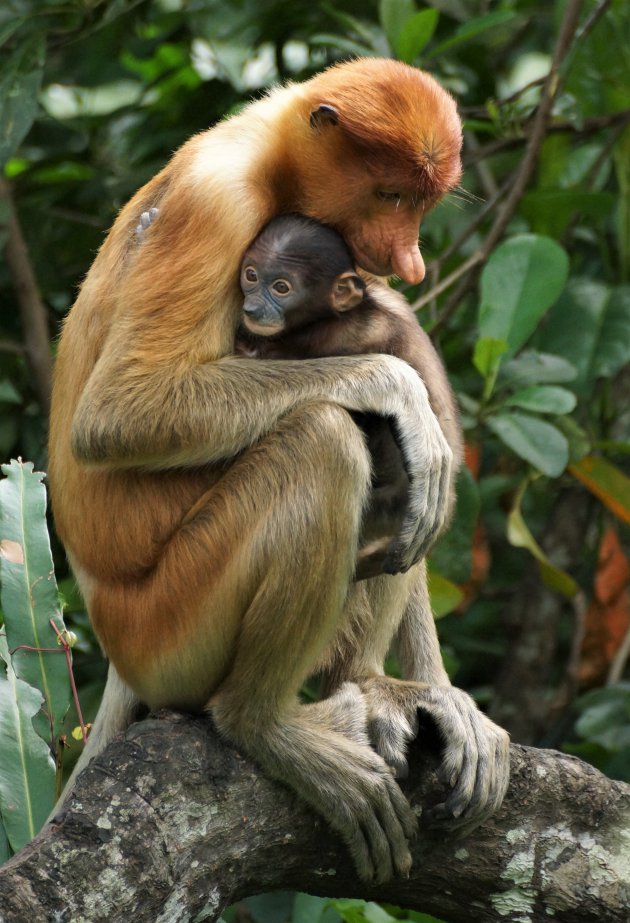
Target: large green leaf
pixel 536 441
pixel 520 536
pixel 590 326
pixel 532 367
pixel 5 849
pixel 29 591
pixel 543 399
pixel 445 595
pixel 416 34
pixel 473 28
pixel 521 280
pixel 394 14
pixel 19 87
pixel 27 771
pixel 549 211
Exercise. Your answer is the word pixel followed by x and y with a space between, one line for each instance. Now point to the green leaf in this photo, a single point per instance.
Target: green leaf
pixel 474 28
pixel 519 535
pixel 19 87
pixel 543 399
pixel 487 360
pixel 534 440
pixel 308 909
pixel 393 15
pixel 27 772
pixel 535 368
pixel 9 393
pixel 29 592
pixel 579 442
pixel 520 281
pixel 445 595
pixel 605 717
pixel 8 28
pixel 416 34
pixel 549 211
pixel 590 326
pixel 5 849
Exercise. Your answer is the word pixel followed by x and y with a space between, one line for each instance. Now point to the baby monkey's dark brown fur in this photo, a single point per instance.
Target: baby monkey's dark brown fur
pixel 305 300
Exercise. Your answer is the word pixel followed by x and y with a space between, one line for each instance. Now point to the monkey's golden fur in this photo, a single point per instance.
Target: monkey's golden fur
pixel 211 507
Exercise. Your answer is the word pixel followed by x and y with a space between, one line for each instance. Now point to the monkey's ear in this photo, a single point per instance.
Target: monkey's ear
pixel 348 290
pixel 324 115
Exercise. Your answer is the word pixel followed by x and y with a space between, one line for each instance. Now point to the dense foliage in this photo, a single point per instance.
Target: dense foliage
pixel 527 290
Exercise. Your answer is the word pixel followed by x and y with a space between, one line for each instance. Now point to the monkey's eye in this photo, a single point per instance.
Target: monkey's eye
pixel 250 274
pixel 280 287
pixel 385 196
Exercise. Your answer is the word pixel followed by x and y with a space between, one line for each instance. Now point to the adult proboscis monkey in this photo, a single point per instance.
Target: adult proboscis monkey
pixel 212 506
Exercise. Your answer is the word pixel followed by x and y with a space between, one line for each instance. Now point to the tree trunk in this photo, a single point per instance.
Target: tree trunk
pixel 171 824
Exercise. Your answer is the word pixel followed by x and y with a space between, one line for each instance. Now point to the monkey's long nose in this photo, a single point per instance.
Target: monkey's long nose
pixel 407 262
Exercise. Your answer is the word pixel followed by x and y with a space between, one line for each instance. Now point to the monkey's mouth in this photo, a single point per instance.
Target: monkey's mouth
pixel 262 328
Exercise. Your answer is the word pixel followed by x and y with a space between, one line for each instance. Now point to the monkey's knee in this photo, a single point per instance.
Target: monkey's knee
pixel 339 442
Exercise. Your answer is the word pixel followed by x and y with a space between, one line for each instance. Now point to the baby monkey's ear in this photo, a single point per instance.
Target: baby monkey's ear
pixel 348 290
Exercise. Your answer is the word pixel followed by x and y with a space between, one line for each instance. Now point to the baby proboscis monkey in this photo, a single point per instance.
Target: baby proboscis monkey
pixel 303 299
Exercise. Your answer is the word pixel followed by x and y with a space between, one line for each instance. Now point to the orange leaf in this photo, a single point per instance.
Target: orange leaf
pixel 472 458
pixel 608 616
pixel 606 481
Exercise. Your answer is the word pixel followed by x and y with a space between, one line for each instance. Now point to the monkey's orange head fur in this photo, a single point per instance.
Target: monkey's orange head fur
pixel 401 118
pixel 379 144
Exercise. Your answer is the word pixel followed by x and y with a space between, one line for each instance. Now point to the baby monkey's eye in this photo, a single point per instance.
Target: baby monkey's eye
pixel 385 196
pixel 250 274
pixel 281 287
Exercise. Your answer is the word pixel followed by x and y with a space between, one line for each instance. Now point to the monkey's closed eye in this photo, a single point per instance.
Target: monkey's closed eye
pixel 385 196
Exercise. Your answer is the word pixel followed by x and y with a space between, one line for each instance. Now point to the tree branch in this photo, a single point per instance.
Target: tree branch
pixel 523 175
pixel 32 308
pixel 172 824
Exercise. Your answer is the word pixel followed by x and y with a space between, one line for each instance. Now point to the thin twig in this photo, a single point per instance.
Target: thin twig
pixel 588 127
pixel 568 687
pixel 591 21
pixel 9 346
pixel 486 177
pixel 526 169
pixel 434 266
pixel 32 309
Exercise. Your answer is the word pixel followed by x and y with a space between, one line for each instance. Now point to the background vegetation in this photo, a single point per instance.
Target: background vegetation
pixel 526 295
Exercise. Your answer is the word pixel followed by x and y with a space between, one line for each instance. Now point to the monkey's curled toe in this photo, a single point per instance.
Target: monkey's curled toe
pixel 472 745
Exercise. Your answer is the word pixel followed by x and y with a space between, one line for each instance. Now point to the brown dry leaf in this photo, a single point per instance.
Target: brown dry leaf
pixel 608 616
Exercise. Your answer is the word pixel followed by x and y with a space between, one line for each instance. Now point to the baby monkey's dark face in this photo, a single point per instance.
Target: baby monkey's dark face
pixel 296 272
pixel 276 297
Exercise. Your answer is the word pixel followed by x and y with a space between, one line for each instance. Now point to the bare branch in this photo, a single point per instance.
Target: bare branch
pixel 172 824
pixel 32 308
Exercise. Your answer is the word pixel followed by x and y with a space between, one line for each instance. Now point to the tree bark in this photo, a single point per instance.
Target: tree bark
pixel 171 824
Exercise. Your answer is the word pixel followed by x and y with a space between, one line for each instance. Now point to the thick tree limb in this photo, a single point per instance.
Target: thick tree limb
pixel 172 824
